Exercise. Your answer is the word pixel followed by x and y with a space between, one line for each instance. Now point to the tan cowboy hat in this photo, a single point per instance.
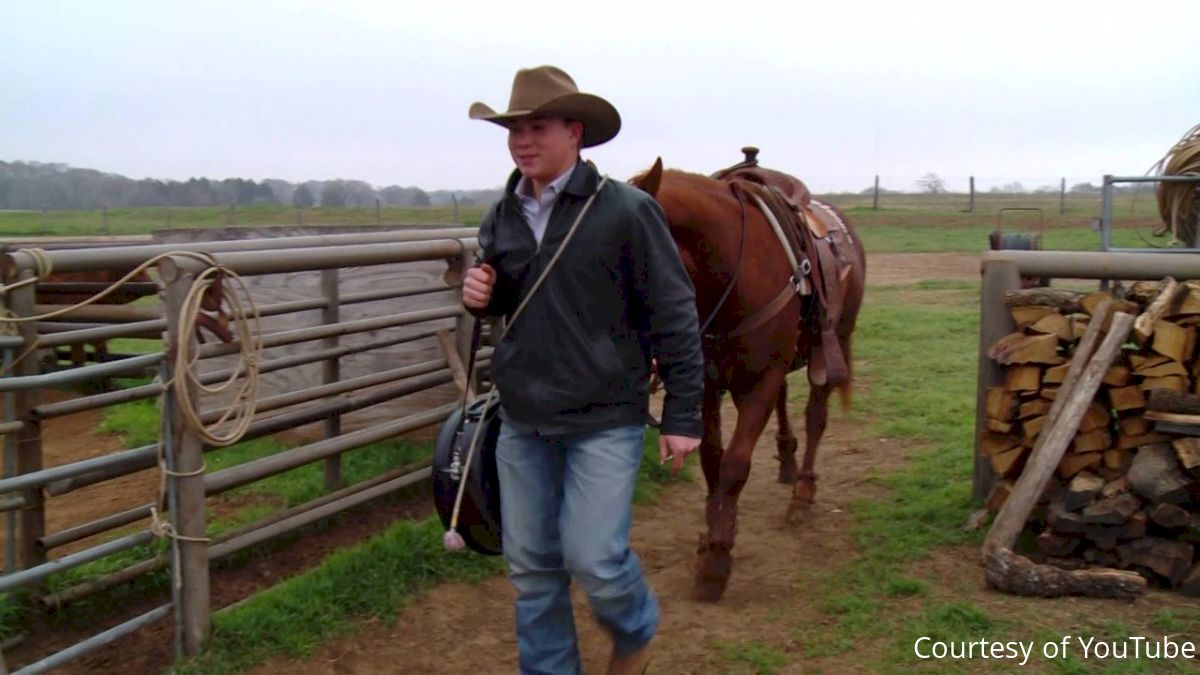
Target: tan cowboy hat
pixel 547 90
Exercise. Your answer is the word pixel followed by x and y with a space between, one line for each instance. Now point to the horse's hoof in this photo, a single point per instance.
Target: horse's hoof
pixel 798 512
pixel 712 575
pixel 788 474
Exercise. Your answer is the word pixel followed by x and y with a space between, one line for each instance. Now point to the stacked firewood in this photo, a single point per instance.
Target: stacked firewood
pixel 1126 493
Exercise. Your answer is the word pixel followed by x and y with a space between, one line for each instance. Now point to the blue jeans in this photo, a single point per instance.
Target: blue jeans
pixel 566 504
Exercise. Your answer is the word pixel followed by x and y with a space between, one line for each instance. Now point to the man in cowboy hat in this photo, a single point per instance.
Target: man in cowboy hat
pixel 573 369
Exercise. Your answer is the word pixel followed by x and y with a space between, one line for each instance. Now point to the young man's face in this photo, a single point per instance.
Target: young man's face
pixel 543 148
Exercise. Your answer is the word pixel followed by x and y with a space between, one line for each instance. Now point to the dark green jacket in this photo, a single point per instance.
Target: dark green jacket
pixel 578 357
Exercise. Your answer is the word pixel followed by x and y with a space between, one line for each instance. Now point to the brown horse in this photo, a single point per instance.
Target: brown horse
pixel 739 268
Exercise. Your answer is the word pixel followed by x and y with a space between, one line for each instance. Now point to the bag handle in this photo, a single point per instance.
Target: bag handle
pixel 452 540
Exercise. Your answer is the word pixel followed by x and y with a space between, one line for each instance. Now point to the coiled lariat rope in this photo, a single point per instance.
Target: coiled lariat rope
pixel 214 289
pixel 1177 202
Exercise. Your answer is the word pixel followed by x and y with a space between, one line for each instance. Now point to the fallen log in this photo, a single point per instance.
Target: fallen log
pixel 1065 301
pixel 1011 573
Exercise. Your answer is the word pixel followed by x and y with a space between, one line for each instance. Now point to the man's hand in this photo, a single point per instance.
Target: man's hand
pixel 675 448
pixel 477 286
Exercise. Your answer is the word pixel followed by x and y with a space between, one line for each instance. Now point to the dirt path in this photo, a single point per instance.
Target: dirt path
pixel 464 628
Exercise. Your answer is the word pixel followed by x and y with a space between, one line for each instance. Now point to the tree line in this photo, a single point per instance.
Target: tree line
pixel 38 185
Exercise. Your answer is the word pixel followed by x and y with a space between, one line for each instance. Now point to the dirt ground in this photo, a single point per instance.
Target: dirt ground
pixel 461 628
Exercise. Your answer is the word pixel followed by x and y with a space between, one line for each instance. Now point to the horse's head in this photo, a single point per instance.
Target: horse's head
pixel 649 181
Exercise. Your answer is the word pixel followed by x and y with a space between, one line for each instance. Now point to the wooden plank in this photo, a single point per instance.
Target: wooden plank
pixel 1087 369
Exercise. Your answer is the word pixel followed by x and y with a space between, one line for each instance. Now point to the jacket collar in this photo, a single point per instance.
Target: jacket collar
pixel 583 180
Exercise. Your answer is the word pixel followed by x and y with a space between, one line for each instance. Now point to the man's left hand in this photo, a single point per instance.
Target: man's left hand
pixel 675 448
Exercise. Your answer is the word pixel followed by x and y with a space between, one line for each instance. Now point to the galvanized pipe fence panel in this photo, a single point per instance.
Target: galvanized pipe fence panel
pixel 188 485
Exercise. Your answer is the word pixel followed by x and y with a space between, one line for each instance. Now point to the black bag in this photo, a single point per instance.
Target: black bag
pixel 479 516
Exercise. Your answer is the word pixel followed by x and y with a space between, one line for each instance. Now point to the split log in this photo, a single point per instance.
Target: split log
pixel 1165 369
pixel 1011 573
pixel 1009 463
pixel 1038 407
pixel 1096 417
pixel 1142 362
pixel 993 444
pixel 1157 476
pixel 1032 427
pixel 1049 393
pixel 1116 487
pixel 1062 299
pixel 1190 305
pixel 1187 450
pixel 1097 440
pixel 1191 584
pixel 1127 398
pixel 1171 560
pixel 1173 383
pixel 1075 462
pixel 1027 315
pixel 1023 378
pixel 1112 511
pixel 1118 460
pixel 1170 516
pixel 1056 374
pixel 1000 403
pixel 1135 425
pixel 1023 348
pixel 1102 558
pixel 1173 402
pixel 998 427
pixel 1168 293
pixel 1173 341
pixel 1082 382
pixel 1117 375
pixel 1082 490
pixel 1132 442
pixel 1054 324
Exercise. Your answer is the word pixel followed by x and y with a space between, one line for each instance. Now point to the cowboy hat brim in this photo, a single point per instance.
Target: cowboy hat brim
pixel 600 119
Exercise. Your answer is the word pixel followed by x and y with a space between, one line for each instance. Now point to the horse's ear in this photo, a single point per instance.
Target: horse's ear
pixel 650 181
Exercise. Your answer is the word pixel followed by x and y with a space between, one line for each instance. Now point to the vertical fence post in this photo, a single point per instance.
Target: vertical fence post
pixel 454 199
pixel 378 213
pixel 971 205
pixel 995 321
pixel 28 443
pixel 1062 197
pixel 183 452
pixel 875 197
pixel 331 372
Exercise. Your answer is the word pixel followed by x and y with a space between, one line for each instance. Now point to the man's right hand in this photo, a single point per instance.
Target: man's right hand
pixel 477 286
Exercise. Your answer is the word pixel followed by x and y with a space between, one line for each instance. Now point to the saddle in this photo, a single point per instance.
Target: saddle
pixel 816 237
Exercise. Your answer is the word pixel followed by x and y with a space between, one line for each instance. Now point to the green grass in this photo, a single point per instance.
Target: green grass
pixel 753 657
pixel 139 221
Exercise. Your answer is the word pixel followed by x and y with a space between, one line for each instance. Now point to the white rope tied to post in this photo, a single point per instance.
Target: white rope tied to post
pixel 185 366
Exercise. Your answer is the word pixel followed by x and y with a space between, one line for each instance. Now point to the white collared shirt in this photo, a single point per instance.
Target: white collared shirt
pixel 537 211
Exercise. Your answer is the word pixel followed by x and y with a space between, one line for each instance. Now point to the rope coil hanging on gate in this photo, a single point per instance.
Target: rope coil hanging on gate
pixel 216 289
pixel 1178 202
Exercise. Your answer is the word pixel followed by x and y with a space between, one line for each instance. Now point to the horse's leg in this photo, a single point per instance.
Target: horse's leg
pixel 710 453
pixel 816 415
pixel 785 442
pixel 754 409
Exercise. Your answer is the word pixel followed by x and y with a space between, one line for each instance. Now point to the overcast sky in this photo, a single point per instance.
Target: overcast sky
pixel 379 90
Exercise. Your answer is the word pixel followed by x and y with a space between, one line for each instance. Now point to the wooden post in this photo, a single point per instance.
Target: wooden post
pixel 331 372
pixel 971 205
pixel 378 213
pixel 32 518
pixel 994 323
pixel 875 197
pixel 184 455
pixel 1053 441
pixel 1062 196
